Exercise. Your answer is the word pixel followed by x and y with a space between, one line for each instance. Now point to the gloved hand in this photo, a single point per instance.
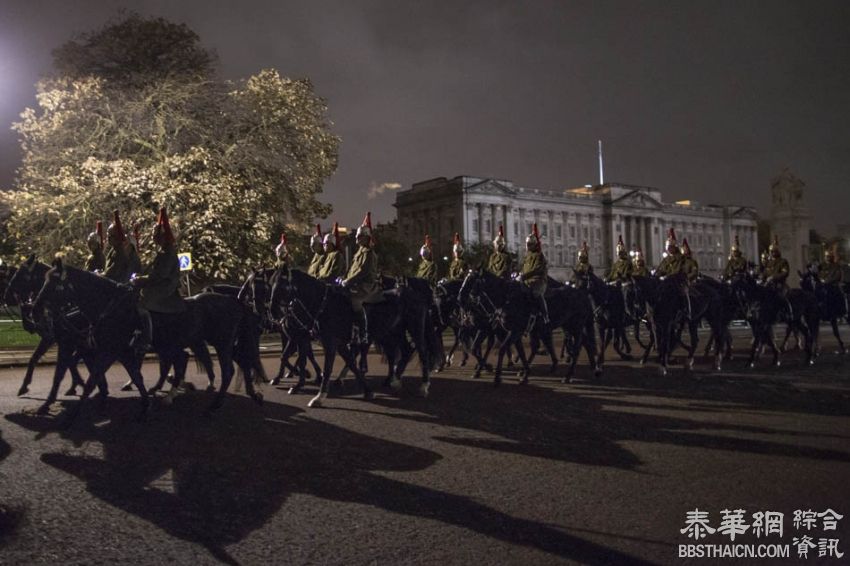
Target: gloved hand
pixel 516 276
pixel 341 281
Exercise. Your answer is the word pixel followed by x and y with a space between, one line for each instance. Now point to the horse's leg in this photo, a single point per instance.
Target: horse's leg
pixel 63 359
pixel 225 362
pixel 134 368
pixel 772 345
pixel 316 367
pixel 476 351
pixel 523 374
pixel 44 344
pixel 693 329
pixel 303 343
pixel 77 380
pixel 359 375
pixel 202 356
pixel 390 352
pixel 503 350
pixel 605 336
pixel 178 359
pixel 841 348
pixel 164 366
pixel 287 348
pixel 330 353
pixel 549 345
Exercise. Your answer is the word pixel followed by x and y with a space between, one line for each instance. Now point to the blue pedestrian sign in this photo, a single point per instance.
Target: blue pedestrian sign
pixel 185 261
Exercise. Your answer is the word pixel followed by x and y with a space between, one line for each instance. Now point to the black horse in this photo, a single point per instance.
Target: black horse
pixel 507 310
pixel 679 305
pixel 831 301
pixel 570 310
pixel 21 289
pixel 325 314
pixel 110 315
pixel 766 307
pixel 609 312
pixel 640 296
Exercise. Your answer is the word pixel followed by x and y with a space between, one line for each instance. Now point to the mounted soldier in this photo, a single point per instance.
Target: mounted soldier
pixel 117 261
pixel 362 278
pixel 831 276
pixel 764 259
pixel 160 288
pixel 318 253
pixel 622 269
pixel 582 266
pixel 736 265
pixel 500 263
pixel 133 259
pixel 535 271
pixel 458 267
pixel 672 262
pixel 333 266
pixel 427 267
pixel 96 260
pixel 639 268
pixel 281 252
pixel 776 274
pixel 690 267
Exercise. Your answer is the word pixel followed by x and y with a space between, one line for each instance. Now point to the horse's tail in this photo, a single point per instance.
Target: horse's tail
pixel 246 352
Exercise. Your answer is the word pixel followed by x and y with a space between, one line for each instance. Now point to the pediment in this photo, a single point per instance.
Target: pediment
pixel 491 187
pixel 745 212
pixel 637 199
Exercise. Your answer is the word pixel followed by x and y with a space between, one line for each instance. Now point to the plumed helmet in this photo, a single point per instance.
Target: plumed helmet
pixel 365 228
pixel 621 246
pixel 736 246
pixel 774 246
pixel 638 255
pixel 830 253
pixel 96 238
pixel 316 238
pixel 164 226
pixel 425 250
pixel 686 249
pixel 583 252
pixel 534 237
pixel 332 237
pixel 765 256
pixel 457 246
pixel 499 241
pixel 115 230
pixel 281 251
pixel 671 245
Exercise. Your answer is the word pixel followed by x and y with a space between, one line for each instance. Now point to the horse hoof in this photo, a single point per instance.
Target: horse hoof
pixel 690 363
pixel 71 392
pixel 23 390
pixel 395 385
pixel 553 368
pixel 43 410
pixel 777 363
pixel 315 402
pixel 524 381
pixel 258 398
pixel 127 386
pixel 497 381
pixel 476 375
pixel 294 390
pixel 274 381
pixel 811 362
pixel 597 372
pixel 564 379
pixel 368 395
pixel 423 389
pixel 210 388
pixel 663 371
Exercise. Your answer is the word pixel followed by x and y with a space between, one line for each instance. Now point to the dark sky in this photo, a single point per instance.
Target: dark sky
pixel 705 100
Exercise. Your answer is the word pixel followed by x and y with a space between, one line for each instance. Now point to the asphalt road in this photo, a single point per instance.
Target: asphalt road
pixel 590 472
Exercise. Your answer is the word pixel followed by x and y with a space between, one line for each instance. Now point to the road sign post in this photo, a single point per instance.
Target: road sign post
pixel 185 260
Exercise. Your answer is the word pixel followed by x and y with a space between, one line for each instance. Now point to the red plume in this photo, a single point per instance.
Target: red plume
pixel 456 239
pixel 368 220
pixel 620 241
pixel 535 232
pixel 427 241
pixel 166 227
pixel 671 234
pixel 283 238
pixel 501 231
pixel 98 228
pixel 319 230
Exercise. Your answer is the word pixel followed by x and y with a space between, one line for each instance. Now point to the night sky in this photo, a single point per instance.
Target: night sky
pixel 704 100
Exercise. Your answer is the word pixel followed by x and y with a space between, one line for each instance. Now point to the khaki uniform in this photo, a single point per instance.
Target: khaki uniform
pixel 96 261
pixel 362 277
pixel 535 272
pixel 776 271
pixel 690 268
pixel 161 287
pixel 458 269
pixel 117 264
pixel 621 271
pixel 428 271
pixel 332 266
pixel 734 266
pixel 830 273
pixel 640 270
pixel 500 264
pixel 670 265
pixel 315 265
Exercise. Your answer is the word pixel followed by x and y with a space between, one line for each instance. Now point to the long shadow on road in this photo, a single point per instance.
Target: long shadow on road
pixel 213 482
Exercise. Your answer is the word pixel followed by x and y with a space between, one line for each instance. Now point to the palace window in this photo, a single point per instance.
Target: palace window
pixel 475 226
pixel 558 231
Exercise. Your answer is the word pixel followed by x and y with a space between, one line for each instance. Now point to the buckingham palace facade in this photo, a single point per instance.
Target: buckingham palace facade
pixel 475 207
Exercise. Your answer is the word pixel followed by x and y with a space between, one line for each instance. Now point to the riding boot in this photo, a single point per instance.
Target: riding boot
pixel 144 340
pixel 790 309
pixel 688 298
pixel 364 345
pixel 544 310
pixel 364 329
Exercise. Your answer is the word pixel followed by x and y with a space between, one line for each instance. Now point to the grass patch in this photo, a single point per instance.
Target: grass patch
pixel 12 335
